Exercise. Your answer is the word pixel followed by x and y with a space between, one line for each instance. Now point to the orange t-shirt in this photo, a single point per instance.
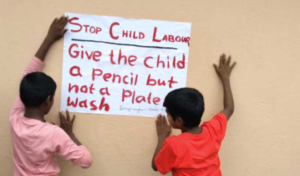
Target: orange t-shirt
pixel 194 154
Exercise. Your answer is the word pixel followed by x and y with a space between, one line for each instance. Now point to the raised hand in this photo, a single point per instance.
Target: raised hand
pixel 55 32
pixel 57 28
pixel 224 69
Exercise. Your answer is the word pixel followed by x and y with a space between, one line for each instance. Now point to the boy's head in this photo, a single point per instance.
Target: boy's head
pixel 37 91
pixel 184 107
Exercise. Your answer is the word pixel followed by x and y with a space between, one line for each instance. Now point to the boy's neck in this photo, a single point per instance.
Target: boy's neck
pixel 34 113
pixel 194 130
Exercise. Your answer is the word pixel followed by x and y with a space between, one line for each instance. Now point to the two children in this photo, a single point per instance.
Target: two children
pixel 195 151
pixel 36 142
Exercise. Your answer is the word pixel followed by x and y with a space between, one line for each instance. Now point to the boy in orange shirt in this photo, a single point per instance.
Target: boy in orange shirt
pixel 195 151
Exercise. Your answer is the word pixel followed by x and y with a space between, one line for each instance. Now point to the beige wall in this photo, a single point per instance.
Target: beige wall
pixel 263 36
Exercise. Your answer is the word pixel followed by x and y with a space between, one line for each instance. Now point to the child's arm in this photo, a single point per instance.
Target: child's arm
pixel 163 131
pixel 68 146
pixel 56 31
pixel 67 125
pixel 224 70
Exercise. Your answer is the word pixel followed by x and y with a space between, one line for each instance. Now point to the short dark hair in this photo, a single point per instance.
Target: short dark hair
pixel 35 88
pixel 186 103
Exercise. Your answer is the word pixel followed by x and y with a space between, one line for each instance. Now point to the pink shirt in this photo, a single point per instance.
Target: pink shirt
pixel 35 143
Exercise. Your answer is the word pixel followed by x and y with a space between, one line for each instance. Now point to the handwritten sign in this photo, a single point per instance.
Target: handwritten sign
pixel 122 66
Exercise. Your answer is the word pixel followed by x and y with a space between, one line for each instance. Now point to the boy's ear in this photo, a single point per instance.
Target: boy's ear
pixel 47 101
pixel 179 121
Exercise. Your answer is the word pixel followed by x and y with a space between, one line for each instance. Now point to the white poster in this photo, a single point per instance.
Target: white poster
pixel 114 65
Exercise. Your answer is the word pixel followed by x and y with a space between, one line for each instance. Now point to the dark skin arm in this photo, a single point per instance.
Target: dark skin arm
pixel 66 123
pixel 163 131
pixel 224 71
pixel 56 31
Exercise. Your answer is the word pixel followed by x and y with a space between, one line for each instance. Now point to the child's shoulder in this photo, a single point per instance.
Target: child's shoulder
pixel 176 143
pixel 175 139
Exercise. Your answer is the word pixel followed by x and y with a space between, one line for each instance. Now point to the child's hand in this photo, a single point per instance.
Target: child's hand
pixel 162 127
pixel 66 123
pixel 224 69
pixel 56 30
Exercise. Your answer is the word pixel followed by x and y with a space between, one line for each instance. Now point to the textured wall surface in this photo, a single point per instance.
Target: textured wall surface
pixel 263 36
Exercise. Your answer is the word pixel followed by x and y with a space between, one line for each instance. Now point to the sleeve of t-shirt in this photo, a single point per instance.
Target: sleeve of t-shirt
pixel 217 126
pixel 35 65
pixel 65 147
pixel 166 158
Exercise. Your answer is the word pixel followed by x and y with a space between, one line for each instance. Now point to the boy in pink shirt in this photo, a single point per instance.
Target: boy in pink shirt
pixel 35 141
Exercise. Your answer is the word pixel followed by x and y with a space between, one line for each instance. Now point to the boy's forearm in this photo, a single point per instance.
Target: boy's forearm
pixel 228 98
pixel 158 148
pixel 74 139
pixel 43 50
pixel 56 31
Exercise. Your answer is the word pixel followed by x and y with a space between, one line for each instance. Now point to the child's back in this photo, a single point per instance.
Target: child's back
pixel 194 154
pixel 35 144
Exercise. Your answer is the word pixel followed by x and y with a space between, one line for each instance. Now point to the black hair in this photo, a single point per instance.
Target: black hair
pixel 35 88
pixel 186 103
